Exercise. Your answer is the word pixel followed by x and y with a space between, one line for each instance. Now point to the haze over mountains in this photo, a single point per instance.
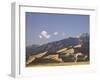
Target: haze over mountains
pixel 72 49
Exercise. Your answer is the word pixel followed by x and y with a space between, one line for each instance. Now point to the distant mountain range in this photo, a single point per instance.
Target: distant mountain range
pixel 63 50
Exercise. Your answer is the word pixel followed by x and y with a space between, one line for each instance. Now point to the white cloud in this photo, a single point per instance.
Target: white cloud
pixel 55 33
pixel 48 36
pixel 45 34
pixel 40 36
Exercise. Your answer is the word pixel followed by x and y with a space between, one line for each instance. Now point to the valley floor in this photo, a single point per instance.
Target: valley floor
pixel 58 64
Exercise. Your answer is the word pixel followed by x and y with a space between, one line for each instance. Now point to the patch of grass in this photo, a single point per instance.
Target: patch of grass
pixel 58 64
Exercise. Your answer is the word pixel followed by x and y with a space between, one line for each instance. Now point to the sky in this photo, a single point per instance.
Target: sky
pixel 42 28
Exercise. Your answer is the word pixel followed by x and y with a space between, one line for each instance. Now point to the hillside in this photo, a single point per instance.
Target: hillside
pixel 72 49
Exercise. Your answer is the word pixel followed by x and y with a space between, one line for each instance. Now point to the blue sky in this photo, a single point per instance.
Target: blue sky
pixel 42 28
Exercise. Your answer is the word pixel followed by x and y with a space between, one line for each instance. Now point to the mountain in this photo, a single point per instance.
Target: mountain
pixel 60 51
pixel 56 45
pixel 30 49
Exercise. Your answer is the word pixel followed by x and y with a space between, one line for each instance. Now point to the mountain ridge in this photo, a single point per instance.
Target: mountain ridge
pixel 60 44
pixel 70 47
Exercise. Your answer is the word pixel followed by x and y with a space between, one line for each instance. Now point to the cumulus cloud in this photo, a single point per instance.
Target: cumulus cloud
pixel 48 36
pixel 55 33
pixel 44 34
pixel 40 36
